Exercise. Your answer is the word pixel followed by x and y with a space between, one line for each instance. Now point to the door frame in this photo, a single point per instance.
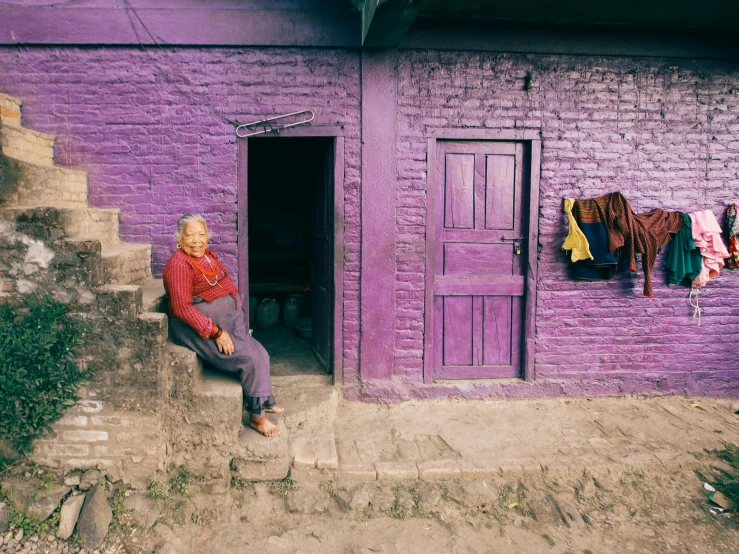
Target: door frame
pixel 531 139
pixel 336 132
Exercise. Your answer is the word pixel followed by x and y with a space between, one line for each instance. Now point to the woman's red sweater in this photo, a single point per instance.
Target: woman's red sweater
pixel 183 280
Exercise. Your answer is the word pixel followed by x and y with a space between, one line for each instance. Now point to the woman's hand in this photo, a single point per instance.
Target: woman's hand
pixel 225 344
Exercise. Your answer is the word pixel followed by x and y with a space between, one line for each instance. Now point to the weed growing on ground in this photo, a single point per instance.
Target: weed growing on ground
pixel 202 517
pixel 550 540
pixel 283 486
pixel 726 481
pixel 504 496
pixel 156 489
pixel 397 511
pixel 180 480
pixel 117 506
pixel 30 525
pixel 178 492
pixel 238 482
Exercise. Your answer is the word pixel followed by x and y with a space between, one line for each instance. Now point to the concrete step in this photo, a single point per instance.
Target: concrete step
pixel 126 263
pixel 209 434
pixel 10 110
pixel 75 223
pixel 154 296
pixel 27 145
pixel 41 185
pixel 218 399
pixel 310 401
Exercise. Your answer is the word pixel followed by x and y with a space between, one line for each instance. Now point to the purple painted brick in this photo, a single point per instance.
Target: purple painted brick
pixel 154 131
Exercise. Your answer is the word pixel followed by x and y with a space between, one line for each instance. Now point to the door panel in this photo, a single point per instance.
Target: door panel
pixel 322 263
pixel 458 330
pixel 498 192
pixel 460 192
pixel 474 259
pixel 497 336
pixel 478 275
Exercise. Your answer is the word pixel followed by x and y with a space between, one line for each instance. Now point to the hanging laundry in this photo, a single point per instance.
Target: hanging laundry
pixel 731 226
pixel 603 264
pixel 576 240
pixel 636 234
pixel 707 237
pixel 684 260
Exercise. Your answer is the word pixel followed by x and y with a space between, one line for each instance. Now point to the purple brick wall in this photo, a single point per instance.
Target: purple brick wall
pixel 663 132
pixel 153 129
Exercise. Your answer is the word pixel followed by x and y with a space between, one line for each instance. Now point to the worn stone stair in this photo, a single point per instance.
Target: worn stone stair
pixel 195 414
pixel 27 145
pixel 118 424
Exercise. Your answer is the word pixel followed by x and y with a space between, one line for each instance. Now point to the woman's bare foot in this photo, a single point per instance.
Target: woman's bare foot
pixel 276 409
pixel 264 425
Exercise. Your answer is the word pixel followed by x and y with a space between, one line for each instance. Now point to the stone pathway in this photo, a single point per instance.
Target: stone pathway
pixel 439 440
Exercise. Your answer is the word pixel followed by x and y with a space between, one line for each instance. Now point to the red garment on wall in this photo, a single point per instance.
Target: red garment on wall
pixel 637 233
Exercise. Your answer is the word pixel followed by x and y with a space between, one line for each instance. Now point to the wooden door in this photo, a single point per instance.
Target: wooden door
pixel 479 259
pixel 323 259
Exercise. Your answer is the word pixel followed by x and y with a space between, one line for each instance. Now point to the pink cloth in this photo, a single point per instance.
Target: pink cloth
pixel 707 237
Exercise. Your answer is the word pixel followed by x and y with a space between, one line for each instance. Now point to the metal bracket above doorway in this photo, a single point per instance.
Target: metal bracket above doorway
pixel 270 124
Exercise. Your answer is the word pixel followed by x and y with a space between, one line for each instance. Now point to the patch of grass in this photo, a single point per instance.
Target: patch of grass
pixel 117 507
pixel 30 525
pixel 504 496
pixel 528 511
pixel 550 540
pixel 202 517
pixel 238 482
pixel 397 511
pixel 178 492
pixel 718 431
pixel 179 481
pixel 282 486
pixel 156 489
pixel 726 481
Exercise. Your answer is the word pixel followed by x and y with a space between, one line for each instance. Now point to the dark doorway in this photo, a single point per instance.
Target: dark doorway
pixel 290 250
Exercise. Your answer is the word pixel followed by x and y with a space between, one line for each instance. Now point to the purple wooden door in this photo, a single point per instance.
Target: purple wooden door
pixel 323 257
pixel 478 281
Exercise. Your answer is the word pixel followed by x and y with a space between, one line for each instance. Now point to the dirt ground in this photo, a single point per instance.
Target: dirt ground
pixel 602 476
pixel 607 510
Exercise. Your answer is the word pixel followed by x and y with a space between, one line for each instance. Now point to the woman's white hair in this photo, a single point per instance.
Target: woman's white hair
pixel 189 218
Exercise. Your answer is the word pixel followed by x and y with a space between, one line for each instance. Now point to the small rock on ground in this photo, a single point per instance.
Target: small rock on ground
pixel 90 478
pixel 69 516
pixel 33 498
pixel 95 518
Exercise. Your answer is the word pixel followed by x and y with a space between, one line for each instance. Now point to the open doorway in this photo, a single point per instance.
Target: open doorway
pixel 290 251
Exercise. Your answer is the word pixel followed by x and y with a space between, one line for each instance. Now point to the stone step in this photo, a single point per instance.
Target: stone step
pixel 40 185
pixel 126 263
pixel 10 110
pixel 218 399
pixel 210 405
pixel 154 296
pixel 68 223
pixel 310 401
pixel 27 145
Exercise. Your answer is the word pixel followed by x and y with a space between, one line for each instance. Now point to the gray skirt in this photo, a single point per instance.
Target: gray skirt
pixel 249 362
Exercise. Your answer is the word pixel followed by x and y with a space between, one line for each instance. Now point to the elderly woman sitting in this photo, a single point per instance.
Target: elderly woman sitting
pixel 207 317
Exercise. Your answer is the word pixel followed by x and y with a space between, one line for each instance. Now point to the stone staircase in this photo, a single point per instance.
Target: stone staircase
pixel 151 403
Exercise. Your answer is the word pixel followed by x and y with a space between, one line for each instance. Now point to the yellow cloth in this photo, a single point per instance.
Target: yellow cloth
pixel 576 240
